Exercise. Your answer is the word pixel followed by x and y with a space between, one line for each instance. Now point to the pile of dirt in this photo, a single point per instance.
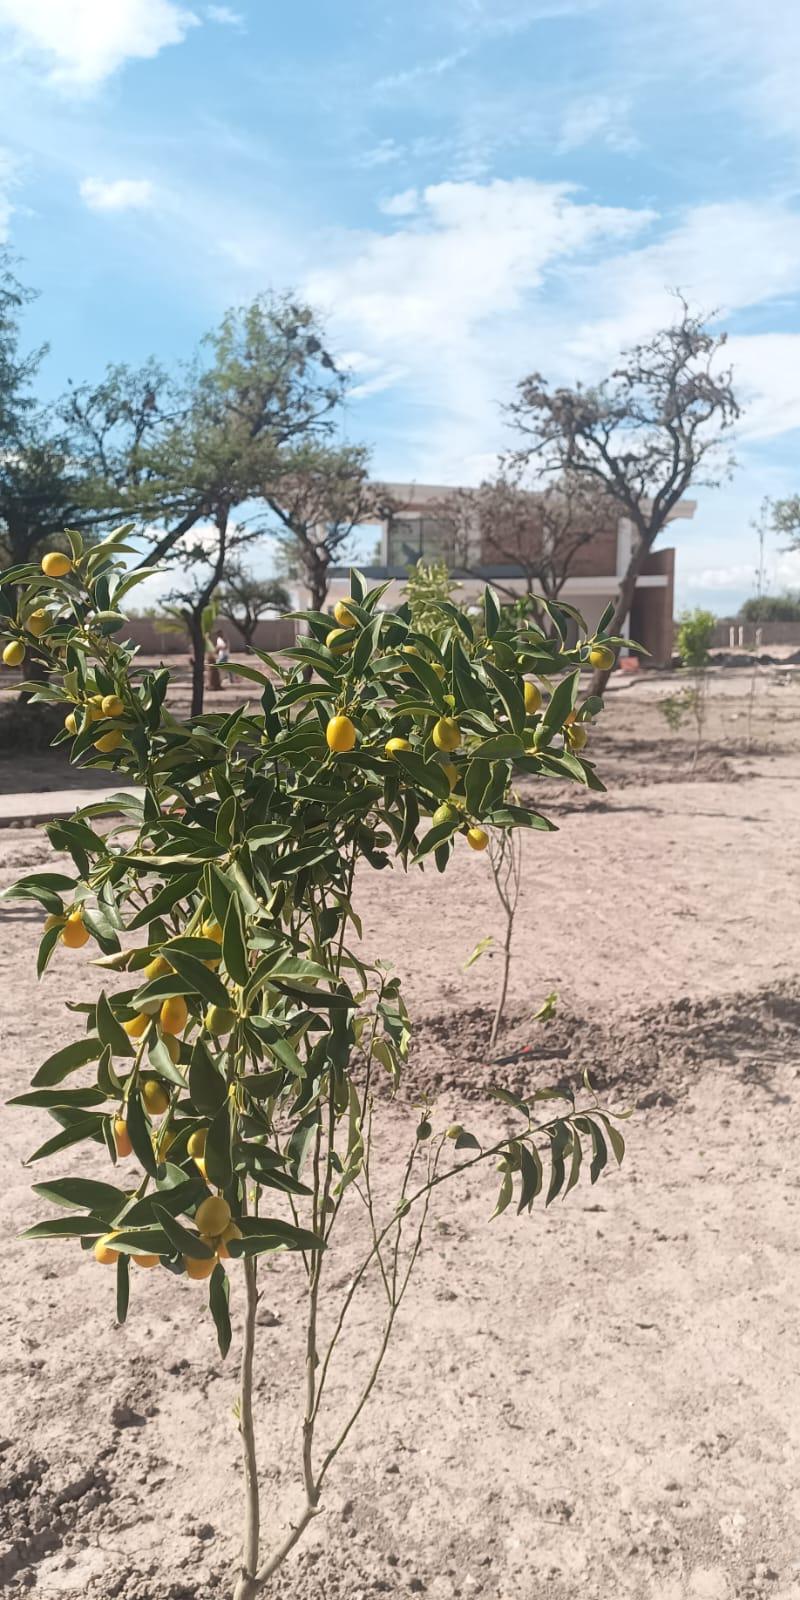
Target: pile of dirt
pixel 654 1055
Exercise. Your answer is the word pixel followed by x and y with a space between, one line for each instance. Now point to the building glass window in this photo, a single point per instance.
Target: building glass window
pixel 412 539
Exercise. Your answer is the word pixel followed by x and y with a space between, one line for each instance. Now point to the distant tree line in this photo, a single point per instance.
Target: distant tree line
pixel 242 442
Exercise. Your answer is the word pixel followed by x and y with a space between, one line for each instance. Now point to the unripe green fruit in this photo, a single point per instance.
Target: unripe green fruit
pixel 219 1019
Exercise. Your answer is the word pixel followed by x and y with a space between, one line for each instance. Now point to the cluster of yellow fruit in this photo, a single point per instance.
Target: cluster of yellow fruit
pixel 341 732
pixel 99 708
pixel 54 565
pixel 216 1227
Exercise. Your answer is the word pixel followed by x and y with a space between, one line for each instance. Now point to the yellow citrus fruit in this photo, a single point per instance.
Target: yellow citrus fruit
pixel 477 838
pixel 444 813
pixel 212 930
pixel 201 1166
pixel 173 1047
pixel 157 968
pixel 231 1232
pixel 55 920
pixel 109 741
pixel 14 653
pixel 74 933
pixel 392 745
pixel 37 623
pixel 340 735
pixel 343 615
pixel 576 736
pixel 112 706
pixel 174 1014
pixel 71 723
pixel 213 1215
pixel 197 1268
pixel 122 1138
pixel 196 1143
pixel 104 1252
pixel 533 698
pixel 601 657
pixel 136 1026
pixel 219 1019
pixel 154 1096
pixel 334 643
pixel 146 1261
pixel 447 734
pixel 451 773
pixel 55 564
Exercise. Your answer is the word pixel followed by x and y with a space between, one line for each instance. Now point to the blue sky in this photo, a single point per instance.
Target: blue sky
pixel 469 189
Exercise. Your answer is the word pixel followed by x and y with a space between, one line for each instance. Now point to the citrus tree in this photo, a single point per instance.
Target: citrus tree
pixel 231 1066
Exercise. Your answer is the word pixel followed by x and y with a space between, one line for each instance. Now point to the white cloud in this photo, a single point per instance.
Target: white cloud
pixel 117 194
pixel 380 155
pixel 450 302
pixel 81 42
pixel 599 119
pixel 401 205
pixel 485 281
pixel 225 16
pixel 424 70
pixel 8 169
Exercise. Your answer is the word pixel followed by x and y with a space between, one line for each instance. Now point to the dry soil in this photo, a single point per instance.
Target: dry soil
pixel 599 1400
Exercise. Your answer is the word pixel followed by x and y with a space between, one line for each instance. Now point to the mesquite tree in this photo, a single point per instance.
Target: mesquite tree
pixel 242 1047
pixel 534 529
pixel 643 436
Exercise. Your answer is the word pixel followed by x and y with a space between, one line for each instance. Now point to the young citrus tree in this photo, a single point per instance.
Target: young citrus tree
pixel 232 1067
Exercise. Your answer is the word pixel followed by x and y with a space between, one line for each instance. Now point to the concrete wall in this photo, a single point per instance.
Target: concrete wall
pixel 154 641
pixel 770 633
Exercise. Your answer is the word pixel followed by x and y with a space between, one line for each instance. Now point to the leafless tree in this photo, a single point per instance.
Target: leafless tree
pixel 245 600
pixel 643 436
pixel 537 532
pixel 318 500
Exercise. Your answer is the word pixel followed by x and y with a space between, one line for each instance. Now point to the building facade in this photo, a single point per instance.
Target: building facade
pixel 420 528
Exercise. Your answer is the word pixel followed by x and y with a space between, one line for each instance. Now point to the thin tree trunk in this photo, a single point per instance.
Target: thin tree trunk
pixel 194 623
pixel 246 1581
pixel 627 590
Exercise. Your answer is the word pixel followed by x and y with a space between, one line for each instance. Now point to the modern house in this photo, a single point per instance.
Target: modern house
pixel 420 528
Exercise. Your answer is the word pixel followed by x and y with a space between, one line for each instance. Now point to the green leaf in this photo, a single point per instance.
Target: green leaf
pixel 218 1154
pixel 506 1194
pixel 167 899
pixel 111 1031
pixel 425 775
pixel 270 1233
pixel 531 1173
pixel 510 1099
pixel 615 1138
pixel 480 949
pixel 206 1087
pixel 65 1228
pixel 491 611
pixel 203 981
pixel 139 1133
pixel 123 1287
pixel 561 702
pixel 218 1298
pixel 83 1194
pixel 510 693
pixel 234 948
pixel 186 1243
pixel 37 883
pixel 89 1127
pixel 503 744
pixel 49 1098
pixel 466 1141
pixel 59 1066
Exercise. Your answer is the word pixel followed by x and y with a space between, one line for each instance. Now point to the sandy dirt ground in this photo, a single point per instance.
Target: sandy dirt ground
pixel 599 1400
